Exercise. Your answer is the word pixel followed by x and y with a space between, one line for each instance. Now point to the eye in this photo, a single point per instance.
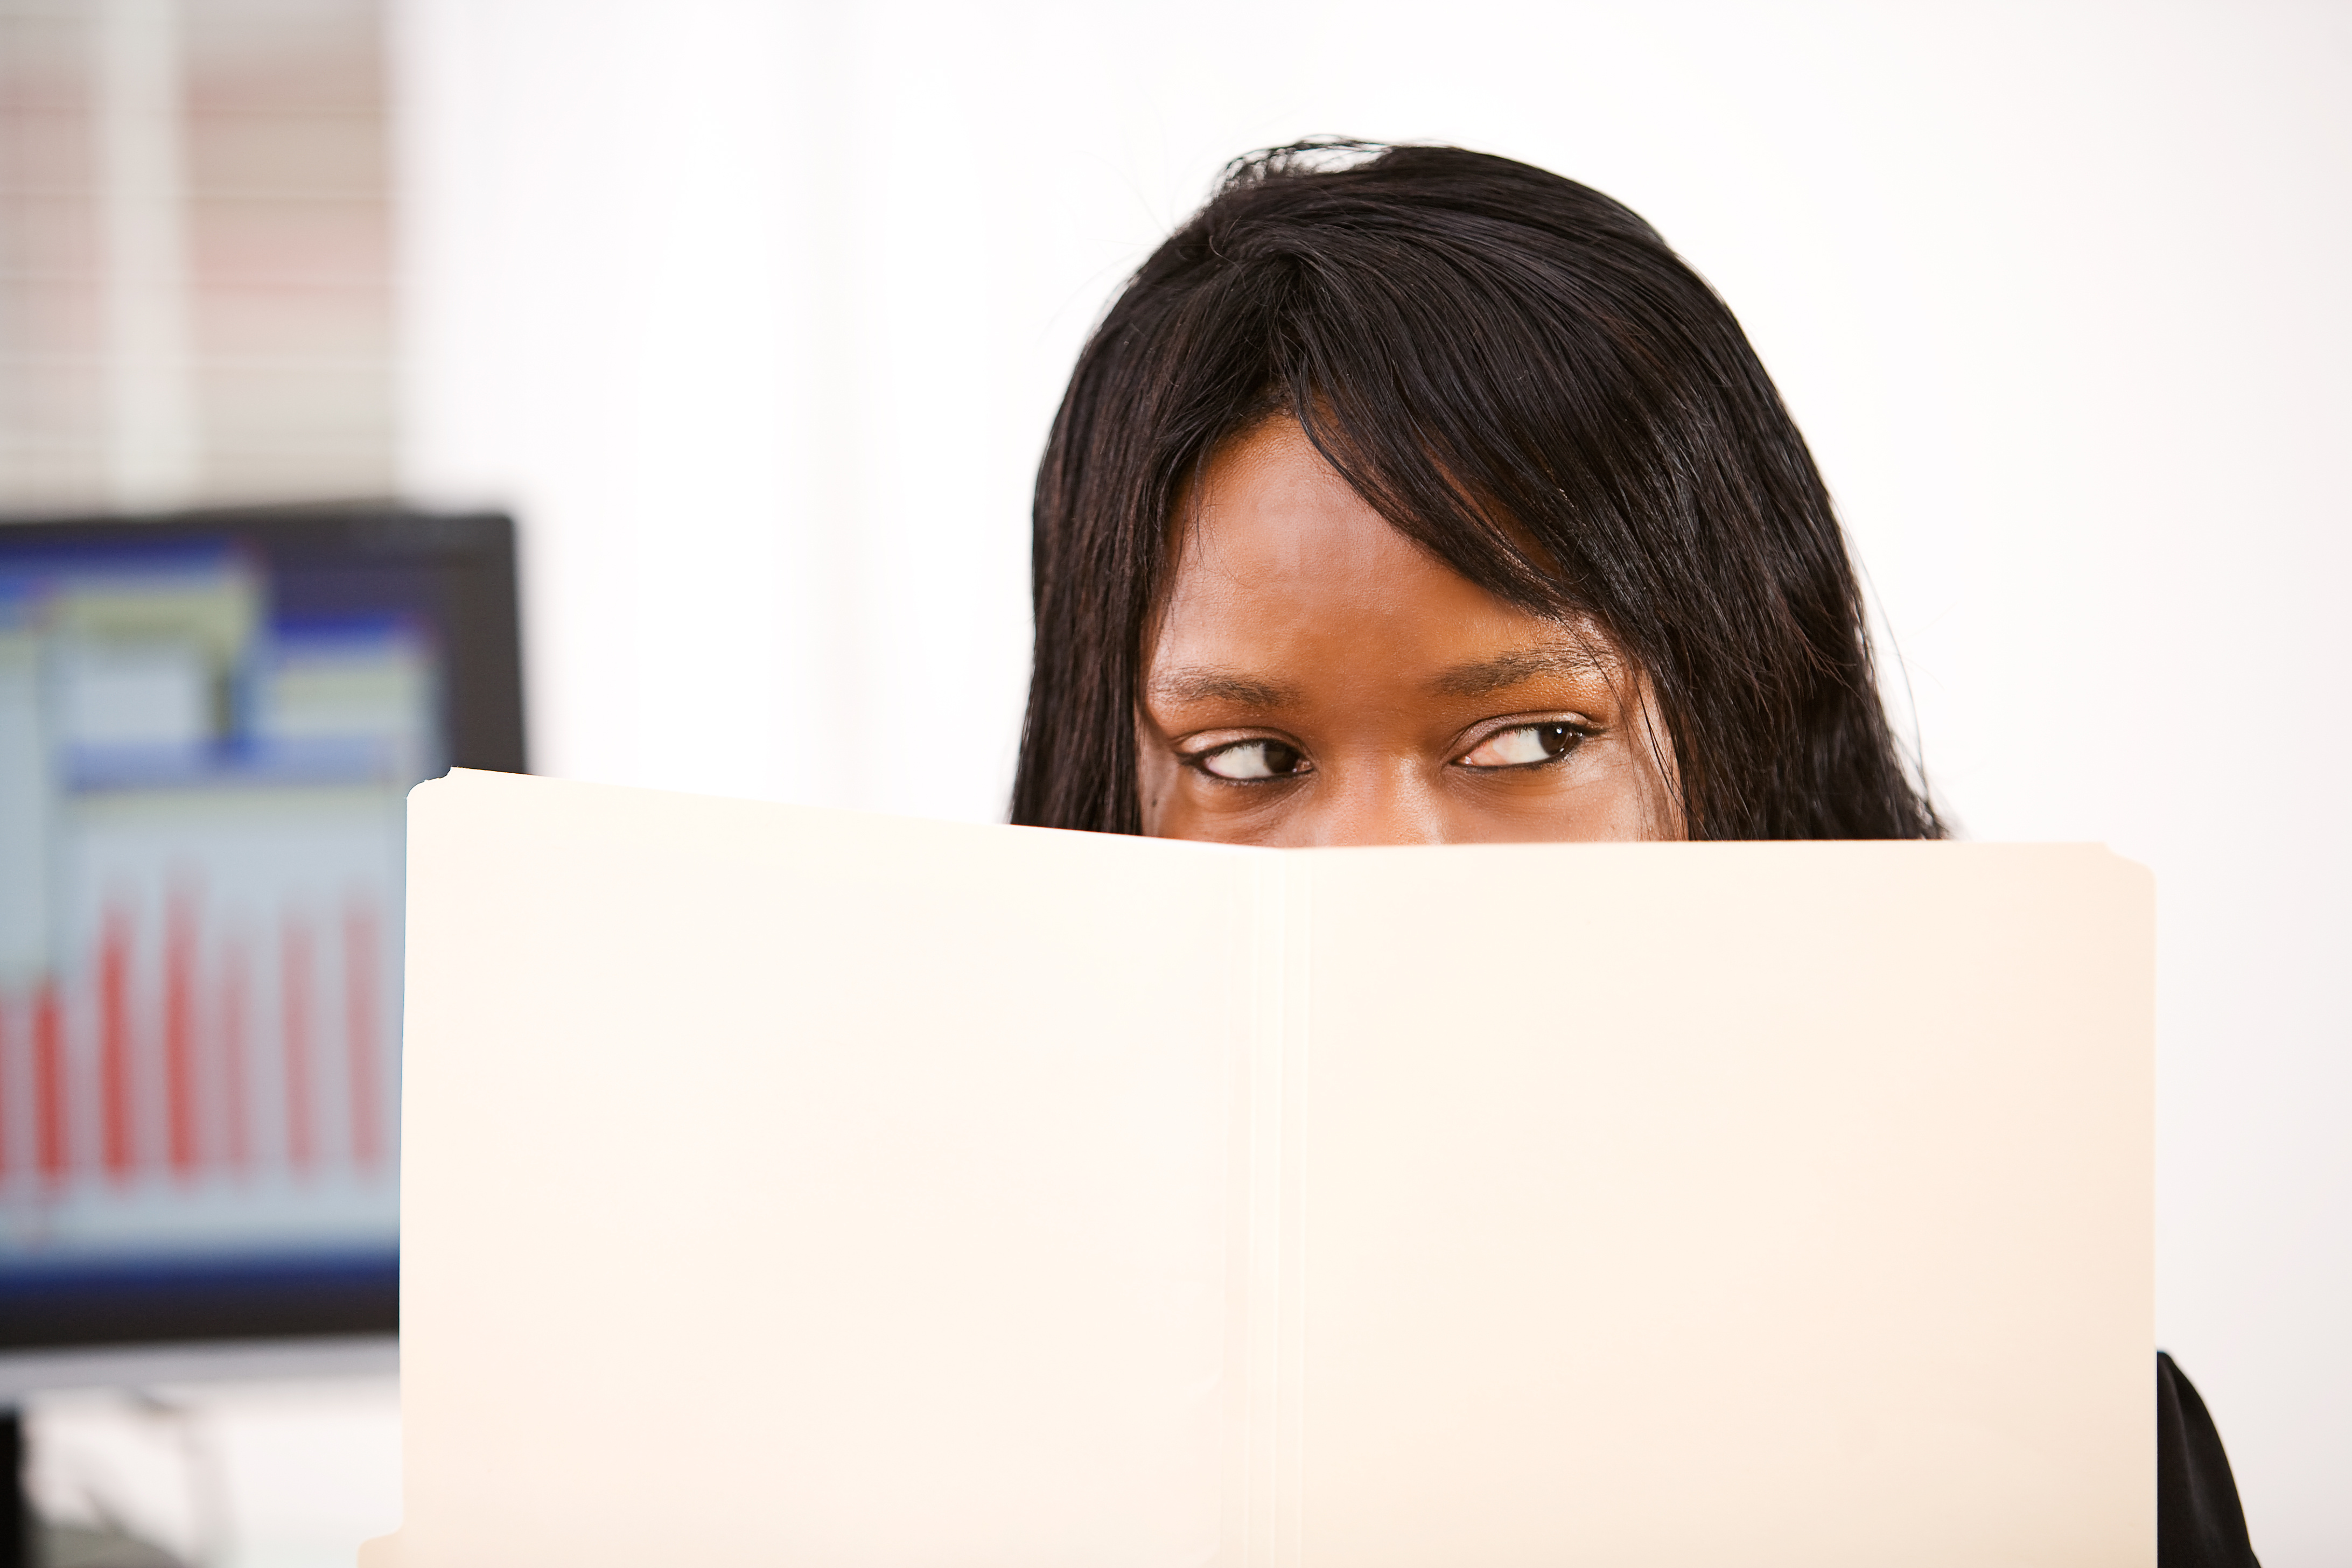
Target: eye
pixel 1525 746
pixel 1247 759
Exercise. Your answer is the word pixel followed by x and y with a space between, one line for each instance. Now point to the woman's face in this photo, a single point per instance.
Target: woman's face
pixel 1315 678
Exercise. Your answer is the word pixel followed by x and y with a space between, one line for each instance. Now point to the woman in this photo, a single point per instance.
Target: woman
pixel 1413 495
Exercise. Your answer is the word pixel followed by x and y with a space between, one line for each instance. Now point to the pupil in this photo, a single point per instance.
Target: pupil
pixel 1555 738
pixel 1280 759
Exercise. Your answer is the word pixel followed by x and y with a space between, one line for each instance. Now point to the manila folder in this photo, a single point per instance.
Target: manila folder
pixel 805 1187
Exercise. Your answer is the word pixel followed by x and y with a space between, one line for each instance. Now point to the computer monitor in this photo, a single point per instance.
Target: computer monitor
pixel 208 725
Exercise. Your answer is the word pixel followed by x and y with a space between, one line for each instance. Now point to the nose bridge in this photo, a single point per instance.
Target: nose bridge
pixel 1390 802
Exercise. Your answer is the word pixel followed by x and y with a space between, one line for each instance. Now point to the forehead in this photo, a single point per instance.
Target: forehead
pixel 1278 564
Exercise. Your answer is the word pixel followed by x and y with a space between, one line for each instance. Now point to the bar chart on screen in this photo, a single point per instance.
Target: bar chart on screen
pixel 214 1056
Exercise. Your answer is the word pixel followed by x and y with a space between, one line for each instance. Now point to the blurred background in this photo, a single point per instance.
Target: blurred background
pixel 752 314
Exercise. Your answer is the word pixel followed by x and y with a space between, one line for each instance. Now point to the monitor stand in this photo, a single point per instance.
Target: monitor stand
pixel 27 1372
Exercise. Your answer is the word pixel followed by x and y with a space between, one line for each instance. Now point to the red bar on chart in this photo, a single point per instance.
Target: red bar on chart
pixel 236 1126
pixel 360 996
pixel 49 1082
pixel 294 984
pixel 180 1032
pixel 114 1042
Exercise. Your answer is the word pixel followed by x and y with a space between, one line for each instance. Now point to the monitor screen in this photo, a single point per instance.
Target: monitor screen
pixel 207 728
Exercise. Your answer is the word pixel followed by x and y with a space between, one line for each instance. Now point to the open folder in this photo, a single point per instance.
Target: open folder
pixel 788 1186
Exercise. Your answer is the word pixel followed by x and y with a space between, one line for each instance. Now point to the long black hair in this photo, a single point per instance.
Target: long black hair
pixel 1518 374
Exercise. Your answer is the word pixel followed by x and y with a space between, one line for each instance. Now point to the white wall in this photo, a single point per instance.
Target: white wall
pixel 758 313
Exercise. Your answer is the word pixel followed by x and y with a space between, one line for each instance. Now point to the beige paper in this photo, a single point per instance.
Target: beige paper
pixel 804 1187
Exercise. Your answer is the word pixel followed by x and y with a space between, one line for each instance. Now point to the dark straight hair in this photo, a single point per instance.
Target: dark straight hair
pixel 1518 374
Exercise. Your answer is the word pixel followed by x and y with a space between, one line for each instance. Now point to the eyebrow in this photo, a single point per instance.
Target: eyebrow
pixel 1491 675
pixel 1201 684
